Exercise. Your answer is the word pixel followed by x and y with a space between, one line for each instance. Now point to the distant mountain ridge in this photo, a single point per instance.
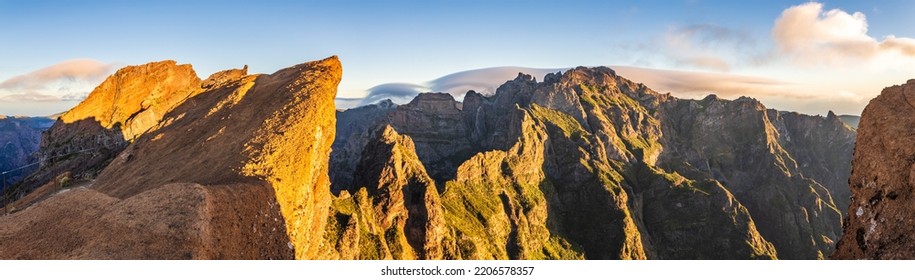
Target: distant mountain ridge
pixel 587 164
pixel 850 120
pixel 19 140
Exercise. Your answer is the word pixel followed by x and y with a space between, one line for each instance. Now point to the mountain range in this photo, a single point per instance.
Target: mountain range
pixel 587 164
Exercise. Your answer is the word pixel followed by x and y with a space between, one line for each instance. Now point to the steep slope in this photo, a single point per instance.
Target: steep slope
pixel 587 164
pixel 754 153
pixel 122 108
pixel 879 220
pixel 820 148
pixel 238 170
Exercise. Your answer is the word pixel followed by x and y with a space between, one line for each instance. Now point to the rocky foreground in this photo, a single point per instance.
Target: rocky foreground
pixel 234 166
pixel 158 164
pixel 880 221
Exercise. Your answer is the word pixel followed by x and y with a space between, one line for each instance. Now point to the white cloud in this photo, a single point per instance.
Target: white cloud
pixel 399 93
pixel 29 97
pixel 774 93
pixel 693 84
pixel 484 81
pixel 814 36
pixel 65 81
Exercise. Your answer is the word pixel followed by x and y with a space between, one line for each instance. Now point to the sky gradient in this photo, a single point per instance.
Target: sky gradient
pixel 811 57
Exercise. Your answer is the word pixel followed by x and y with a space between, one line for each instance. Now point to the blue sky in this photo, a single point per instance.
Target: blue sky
pixel 383 42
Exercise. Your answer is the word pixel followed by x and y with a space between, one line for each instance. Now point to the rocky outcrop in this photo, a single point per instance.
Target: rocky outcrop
pixel 132 100
pixel 878 223
pixel 237 170
pixel 124 107
pixel 587 164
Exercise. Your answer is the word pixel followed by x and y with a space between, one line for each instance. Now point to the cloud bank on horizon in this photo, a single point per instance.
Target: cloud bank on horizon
pixel 70 80
pixel 484 81
pixel 688 84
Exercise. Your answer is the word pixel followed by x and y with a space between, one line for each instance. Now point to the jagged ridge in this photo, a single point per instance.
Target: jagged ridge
pixel 589 164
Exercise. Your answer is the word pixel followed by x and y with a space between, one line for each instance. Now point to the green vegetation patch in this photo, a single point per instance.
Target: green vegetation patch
pixel 568 125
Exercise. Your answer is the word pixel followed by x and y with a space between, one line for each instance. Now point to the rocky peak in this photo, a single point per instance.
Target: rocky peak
pixel 472 99
pixel 125 106
pixel 522 77
pixel 750 103
pixel 594 76
pixel 835 120
pixel 552 77
pixel 387 158
pixel 386 104
pixel 120 100
pixel 224 76
pixel 397 210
